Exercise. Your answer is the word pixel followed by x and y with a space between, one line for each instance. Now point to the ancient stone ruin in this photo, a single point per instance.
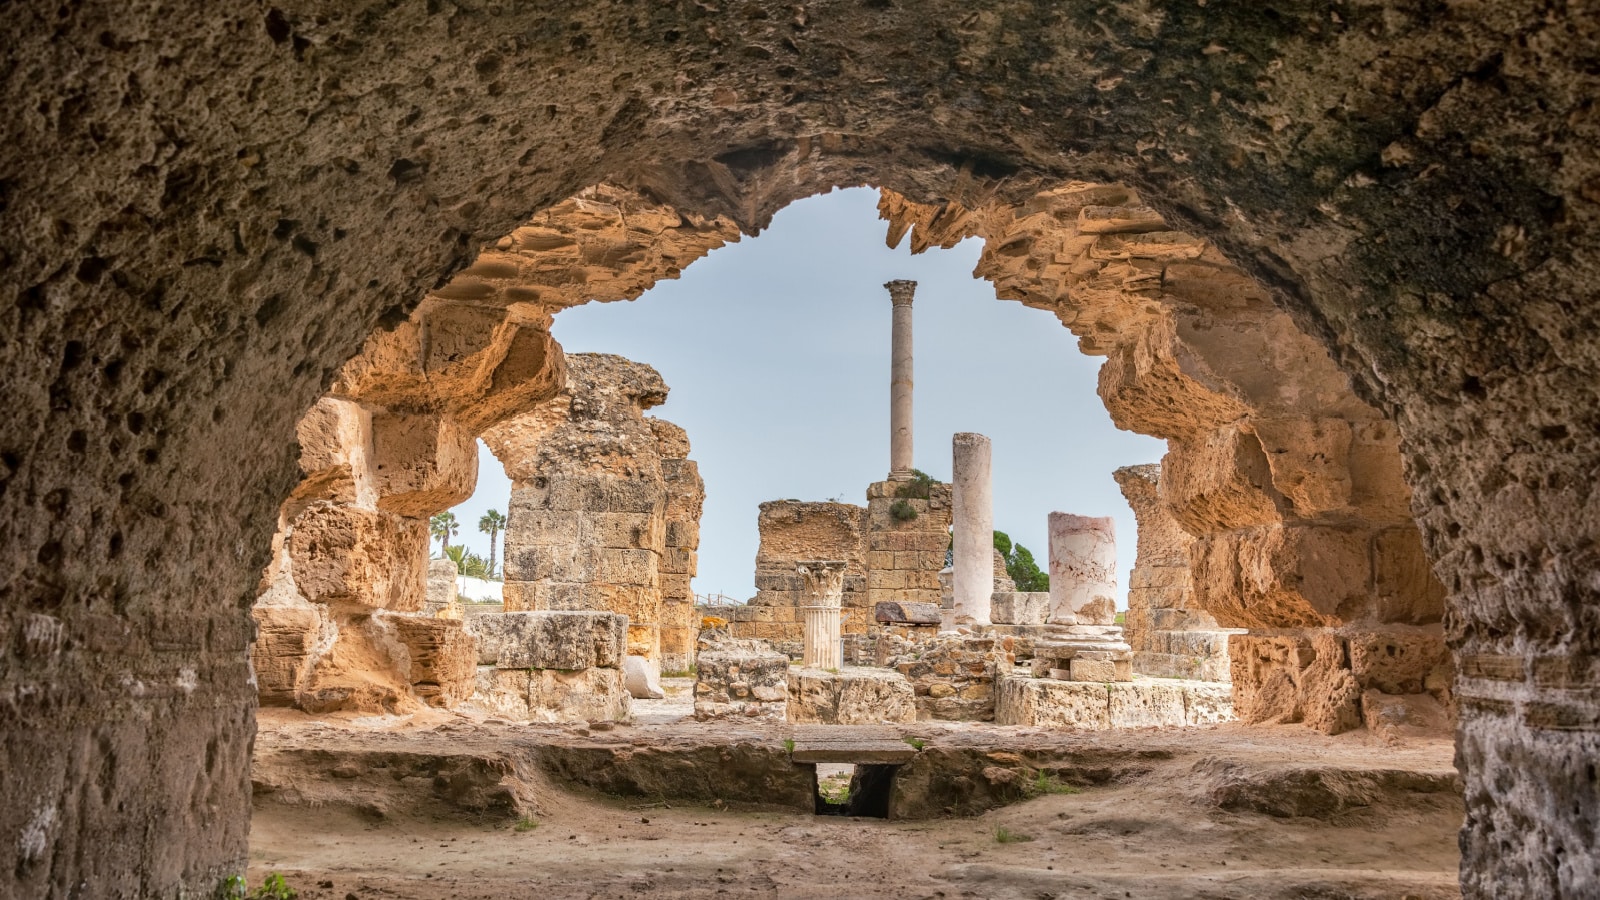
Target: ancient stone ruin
pixel 272 270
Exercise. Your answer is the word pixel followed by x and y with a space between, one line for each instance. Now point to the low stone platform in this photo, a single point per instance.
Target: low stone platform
pixel 1096 706
pixel 850 696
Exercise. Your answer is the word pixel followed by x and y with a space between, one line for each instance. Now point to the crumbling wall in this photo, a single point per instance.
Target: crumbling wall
pixel 588 518
pixel 350 566
pixel 793 531
pixel 1171 636
pixel 905 551
pixel 686 494
pixel 1289 483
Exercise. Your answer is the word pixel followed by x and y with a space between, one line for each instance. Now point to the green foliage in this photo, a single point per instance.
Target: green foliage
pixel 273 887
pixel 902 511
pixel 1002 542
pixel 1004 835
pixel 1020 565
pixel 788 744
pixel 469 564
pixel 526 823
pixel 444 527
pixel 920 487
pixel 1045 783
pixel 916 743
pixel 835 789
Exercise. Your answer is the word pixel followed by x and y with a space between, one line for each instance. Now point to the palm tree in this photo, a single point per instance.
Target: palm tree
pixel 443 526
pixel 492 524
pixel 469 564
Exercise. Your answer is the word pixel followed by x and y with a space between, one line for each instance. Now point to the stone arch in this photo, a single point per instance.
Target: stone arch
pixel 203 214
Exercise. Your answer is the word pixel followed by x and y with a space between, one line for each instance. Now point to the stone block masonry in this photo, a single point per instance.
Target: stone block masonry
pixel 551 666
pixel 740 679
pixel 850 696
pixel 605 506
pixel 1171 635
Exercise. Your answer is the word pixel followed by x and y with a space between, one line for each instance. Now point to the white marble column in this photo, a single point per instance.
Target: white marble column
pixel 900 383
pixel 824 592
pixel 1083 570
pixel 972 519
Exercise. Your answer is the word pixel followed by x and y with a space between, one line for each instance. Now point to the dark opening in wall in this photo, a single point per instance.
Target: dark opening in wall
pixel 867 794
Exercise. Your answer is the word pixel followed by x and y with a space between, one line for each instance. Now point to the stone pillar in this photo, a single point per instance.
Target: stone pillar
pixel 824 590
pixel 1083 570
pixel 900 461
pixel 973 520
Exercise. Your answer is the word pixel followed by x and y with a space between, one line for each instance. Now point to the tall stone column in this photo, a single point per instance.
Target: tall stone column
pixel 824 591
pixel 900 382
pixel 1083 570
pixel 972 516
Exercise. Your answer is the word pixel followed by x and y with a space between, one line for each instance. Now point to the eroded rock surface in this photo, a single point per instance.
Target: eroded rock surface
pixel 196 242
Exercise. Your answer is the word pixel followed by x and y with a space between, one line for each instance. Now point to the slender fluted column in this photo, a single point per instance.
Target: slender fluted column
pixel 972 517
pixel 824 590
pixel 1083 570
pixel 900 461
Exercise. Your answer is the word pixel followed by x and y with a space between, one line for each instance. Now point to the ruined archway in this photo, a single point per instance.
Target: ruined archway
pixel 194 251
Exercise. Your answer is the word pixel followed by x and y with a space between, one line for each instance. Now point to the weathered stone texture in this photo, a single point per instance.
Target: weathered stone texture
pixel 551 666
pixel 953 676
pixel 1171 636
pixel 588 522
pixel 850 696
pixel 195 243
pixel 1088 706
pixel 741 678
pixel 686 493
pixel 441 657
pixel 442 600
pixel 550 640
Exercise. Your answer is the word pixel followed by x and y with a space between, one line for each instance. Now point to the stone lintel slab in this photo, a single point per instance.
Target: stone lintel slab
pixel 858 744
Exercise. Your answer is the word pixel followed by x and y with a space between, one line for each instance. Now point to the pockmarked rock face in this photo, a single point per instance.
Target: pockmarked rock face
pixel 195 244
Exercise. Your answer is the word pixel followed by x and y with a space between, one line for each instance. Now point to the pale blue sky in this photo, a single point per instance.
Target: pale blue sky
pixel 777 352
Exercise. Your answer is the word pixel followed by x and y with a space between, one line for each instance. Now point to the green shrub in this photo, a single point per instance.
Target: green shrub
pixel 902 511
pixel 916 743
pixel 526 823
pixel 1004 835
pixel 920 487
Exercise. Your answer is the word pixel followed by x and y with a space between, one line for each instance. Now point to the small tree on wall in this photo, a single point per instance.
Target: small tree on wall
pixel 444 527
pixel 492 524
pixel 1020 565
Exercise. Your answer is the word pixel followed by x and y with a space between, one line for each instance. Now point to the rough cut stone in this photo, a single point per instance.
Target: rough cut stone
pixel 1020 608
pixel 741 679
pixel 570 640
pixel 851 696
pixel 891 612
pixel 442 658
pixel 1078 705
pixel 552 695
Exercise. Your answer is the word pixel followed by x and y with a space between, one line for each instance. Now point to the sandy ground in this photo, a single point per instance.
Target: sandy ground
pixel 1160 835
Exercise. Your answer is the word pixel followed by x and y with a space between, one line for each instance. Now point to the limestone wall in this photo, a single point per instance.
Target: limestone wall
pixel 588 520
pixel 904 555
pixel 686 493
pixel 1170 635
pixel 792 531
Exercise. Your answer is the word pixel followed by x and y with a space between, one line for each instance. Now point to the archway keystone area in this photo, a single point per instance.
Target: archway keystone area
pixel 1365 239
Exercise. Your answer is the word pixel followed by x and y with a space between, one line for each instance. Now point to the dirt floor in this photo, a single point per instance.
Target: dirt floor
pixel 1228 811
